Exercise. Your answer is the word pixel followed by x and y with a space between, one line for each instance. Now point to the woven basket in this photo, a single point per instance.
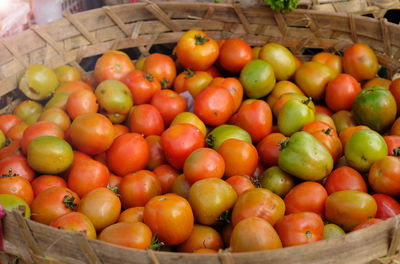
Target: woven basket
pixel 141 25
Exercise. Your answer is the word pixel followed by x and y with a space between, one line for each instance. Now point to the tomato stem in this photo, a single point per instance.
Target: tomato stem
pixel 396 152
pixel 225 217
pixel 200 40
pixel 114 190
pixel 283 144
pixel 155 243
pixel 188 73
pixel 164 83
pixel 210 140
pixel 10 174
pixel 306 102
pixel 328 131
pixel 69 202
pixel 149 77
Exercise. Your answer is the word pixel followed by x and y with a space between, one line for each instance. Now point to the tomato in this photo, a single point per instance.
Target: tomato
pixel 210 198
pixel 52 203
pixel 87 175
pixel 255 118
pixel 196 51
pixel 306 197
pixel 240 183
pixel 384 176
pixel 162 67
pixel 28 111
pixel 12 149
pixel 280 58
pixel 134 235
pixel 138 188
pixel 394 88
pixel 43 182
pixel 7 121
pixel 277 181
pixel 213 71
pixel 223 132
pixel 42 128
pixel 145 119
pixel 10 202
pixel 347 132
pixel 234 54
pixel 190 118
pixel 71 87
pixel 349 208
pixel 112 65
pixel 214 105
pixel 142 86
pixel 395 129
pixel 234 87
pixel 181 186
pixel 81 102
pixel 360 61
pixel 156 152
pixel 345 178
pixel 281 88
pixel 170 217
pixel 300 228
pixel 254 234
pixel 341 92
pixel 201 237
pixel 385 83
pixel 332 230
pixel 75 221
pixel 241 157
pixel 57 116
pixel 294 115
pixel 331 60
pixel 343 119
pixel 67 73
pixel 133 214
pixel 284 98
pixel 312 78
pixel 268 148
pixel 205 251
pixel 258 202
pixel 387 206
pixel 257 78
pixel 114 97
pixel 19 165
pixel 17 131
pixel 169 103
pixel 393 144
pixel 203 163
pixel 193 82
pixel 367 223
pixel 92 133
pixel 16 185
pixel 179 141
pixel 114 181
pixel 101 206
pixel 323 110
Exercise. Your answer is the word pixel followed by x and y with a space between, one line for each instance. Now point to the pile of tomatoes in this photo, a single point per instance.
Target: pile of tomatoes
pixel 220 145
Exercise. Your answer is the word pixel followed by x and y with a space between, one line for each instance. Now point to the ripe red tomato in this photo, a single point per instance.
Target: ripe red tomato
pixel 145 119
pixel 112 65
pixel 240 183
pixel 128 153
pixel 156 152
pixel 169 103
pixel 16 185
pixel 387 206
pixel 179 141
pixel 120 130
pixel 300 228
pixel 234 87
pixel 306 197
pixel 77 222
pixel 41 128
pixel 142 86
pixel 345 178
pixel 138 188
pixel 234 54
pixel 196 51
pixel 133 235
pixel 214 105
pixel 360 61
pixel 341 91
pixel 43 182
pixel 7 121
pixel 81 102
pixel 162 67
pixel 166 176
pixel 268 149
pixel 384 176
pixel 393 144
pixel 170 217
pixel 18 165
pixel 204 237
pixel 114 181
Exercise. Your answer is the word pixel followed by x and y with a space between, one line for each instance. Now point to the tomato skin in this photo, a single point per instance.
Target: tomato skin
pixel 345 178
pixel 41 128
pixel 234 87
pixel 393 143
pixel 190 118
pixel 387 206
pixel 360 61
pixel 7 121
pixel 43 182
pixel 300 228
pixel 192 81
pixel 269 149
pixel 277 181
pixel 253 234
pixel 19 165
pixel 258 202
pixel 384 176
pixel 368 223
pixel 81 102
pixel 201 237
pixel 10 202
pixel 341 91
pixel 133 214
pixel 145 119
pixel 162 67
pixel 75 221
pixel 181 186
pixel 128 153
pixel 192 53
pixel 18 186
pixel 112 65
pixel 240 183
pixel 142 86
pixel 133 235
pixel 394 88
pixel 170 217
pixel 169 103
pixel 49 205
pixel 13 149
pixel 179 141
pixel 234 54
pixel 347 132
pixel 156 152
pixel 257 78
pixel 332 60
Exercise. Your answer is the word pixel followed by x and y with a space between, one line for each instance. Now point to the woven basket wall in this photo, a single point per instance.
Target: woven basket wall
pixel 69 40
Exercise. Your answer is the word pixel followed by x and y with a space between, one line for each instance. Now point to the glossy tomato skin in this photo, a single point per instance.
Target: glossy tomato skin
pixel 142 86
pixel 133 214
pixel 133 235
pixel 384 176
pixel 179 141
pixel 7 121
pixel 387 206
pixel 341 91
pixel 277 181
pixel 18 186
pixel 234 87
pixel 360 61
pixel 234 54
pixel 156 152
pixel 300 228
pixel 162 67
pixel 192 81
pixel 19 165
pixel 268 149
pixel 41 128
pixel 258 202
pixel 170 217
pixel 221 133
pixel 393 144
pixel 196 51
pixel 145 119
pixel 166 175
pixel 81 102
pixel 202 237
pixel 345 178
pixel 43 182
pixel 332 60
pixel 112 65
pixel 75 221
pixel 169 103
pixel 240 183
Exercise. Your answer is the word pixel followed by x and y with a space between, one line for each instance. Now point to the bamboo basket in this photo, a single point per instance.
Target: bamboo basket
pixel 142 25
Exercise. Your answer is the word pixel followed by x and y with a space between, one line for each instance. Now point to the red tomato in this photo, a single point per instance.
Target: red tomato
pixel 162 67
pixel 191 81
pixel 128 153
pixel 18 165
pixel 234 87
pixel 256 118
pixel 204 237
pixel 240 183
pixel 179 141
pixel 214 105
pixel 166 176
pixel 196 51
pixel 384 176
pixel 52 203
pixel 341 91
pixel 213 71
pixel 234 54
pixel 16 185
pixel 360 61
pixel 81 102
pixel 133 235
pixel 394 88
pixel 387 206
pixel 13 149
pixel 203 163
pixel 345 178
pixel 45 182
pixel 306 197
pixel 138 188
pixel 170 217
pixel 112 65
pixel 169 103
pixel 367 223
pixel 114 181
pixel 41 128
pixel 7 121
pixel 156 152
pixel 393 144
pixel 133 214
pixel 268 149
pixel 300 228
pixel 75 222
pixel 145 119
pixel 120 130
pixel 142 86
pixel 320 109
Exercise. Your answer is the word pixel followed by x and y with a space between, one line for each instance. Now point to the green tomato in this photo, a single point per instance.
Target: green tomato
pixel 332 230
pixel 10 202
pixel 223 132
pixel 364 148
pixel 277 181
pixel 294 115
pixel 257 78
pixel 114 97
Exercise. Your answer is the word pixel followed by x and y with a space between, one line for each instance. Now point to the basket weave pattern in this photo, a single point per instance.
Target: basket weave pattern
pixel 76 36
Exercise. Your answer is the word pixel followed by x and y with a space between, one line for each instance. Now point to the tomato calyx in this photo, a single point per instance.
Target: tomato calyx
pixel 69 202
pixel 225 217
pixel 308 234
pixel 307 101
pixel 283 144
pixel 114 190
pixel 149 77
pixel 156 244
pixel 396 152
pixel 210 141
pixel 201 40
pixel 328 131
pixel 188 73
pixel 164 83
pixel 10 174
